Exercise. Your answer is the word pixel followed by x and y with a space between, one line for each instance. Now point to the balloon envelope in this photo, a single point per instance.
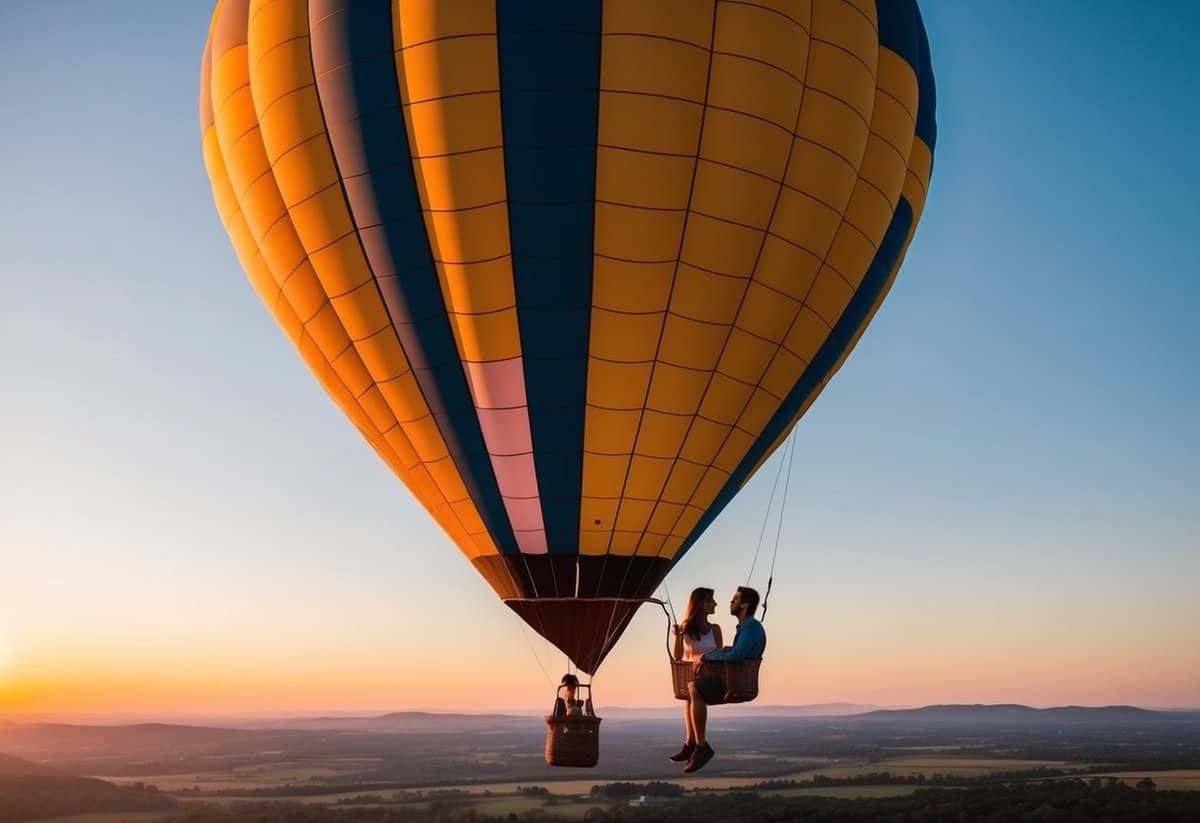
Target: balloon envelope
pixel 573 269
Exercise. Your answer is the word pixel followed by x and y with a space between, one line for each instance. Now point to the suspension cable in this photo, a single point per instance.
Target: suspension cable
pixel 536 657
pixel 791 456
pixel 667 598
pixel 766 519
pixel 671 622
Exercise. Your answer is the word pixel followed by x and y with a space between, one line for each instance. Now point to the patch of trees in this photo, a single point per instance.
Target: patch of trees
pixel 307 789
pixel 1066 800
pixel 29 797
pixel 624 791
pixel 362 800
pixel 934 779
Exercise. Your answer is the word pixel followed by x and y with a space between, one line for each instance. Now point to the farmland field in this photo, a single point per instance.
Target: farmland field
pixel 944 765
pixel 847 792
pixel 1180 780
pixel 410 762
pixel 110 817
pixel 263 777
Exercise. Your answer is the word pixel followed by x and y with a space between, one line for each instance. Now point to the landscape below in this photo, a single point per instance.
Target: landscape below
pixel 431 766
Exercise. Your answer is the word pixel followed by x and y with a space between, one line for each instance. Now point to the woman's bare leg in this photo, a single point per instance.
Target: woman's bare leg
pixel 698 711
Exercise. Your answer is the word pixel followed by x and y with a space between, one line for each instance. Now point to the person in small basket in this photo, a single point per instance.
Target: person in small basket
pixel 708 688
pixel 570 706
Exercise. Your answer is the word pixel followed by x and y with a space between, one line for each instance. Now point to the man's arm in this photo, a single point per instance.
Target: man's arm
pixel 747 645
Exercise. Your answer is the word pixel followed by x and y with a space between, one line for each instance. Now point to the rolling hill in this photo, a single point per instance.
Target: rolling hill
pixel 16 767
pixel 1014 715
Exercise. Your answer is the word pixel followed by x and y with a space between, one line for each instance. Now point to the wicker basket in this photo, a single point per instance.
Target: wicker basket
pixel 683 672
pixel 574 739
pixel 740 678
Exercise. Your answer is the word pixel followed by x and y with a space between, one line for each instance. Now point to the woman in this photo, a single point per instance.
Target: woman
pixel 694 638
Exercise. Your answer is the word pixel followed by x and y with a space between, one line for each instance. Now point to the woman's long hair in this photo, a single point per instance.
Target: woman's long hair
pixel 694 617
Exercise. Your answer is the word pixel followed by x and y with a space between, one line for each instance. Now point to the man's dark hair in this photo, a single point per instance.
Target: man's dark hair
pixel 571 680
pixel 749 599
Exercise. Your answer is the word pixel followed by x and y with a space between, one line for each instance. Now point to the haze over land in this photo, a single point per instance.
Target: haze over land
pixel 406 760
pixel 629 744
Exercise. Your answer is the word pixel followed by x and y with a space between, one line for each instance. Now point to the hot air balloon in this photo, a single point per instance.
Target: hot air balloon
pixel 573 269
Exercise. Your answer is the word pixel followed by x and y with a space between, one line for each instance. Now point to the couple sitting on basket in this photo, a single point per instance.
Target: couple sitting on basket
pixel 699 641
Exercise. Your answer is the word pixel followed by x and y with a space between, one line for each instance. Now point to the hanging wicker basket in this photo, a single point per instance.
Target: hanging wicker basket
pixel 683 672
pixel 573 740
pixel 739 676
pixel 741 680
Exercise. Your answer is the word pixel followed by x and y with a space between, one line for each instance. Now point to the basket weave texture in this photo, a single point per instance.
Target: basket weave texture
pixel 572 741
pixel 682 673
pixel 740 678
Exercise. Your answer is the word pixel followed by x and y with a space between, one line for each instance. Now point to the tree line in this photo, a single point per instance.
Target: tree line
pixel 1085 801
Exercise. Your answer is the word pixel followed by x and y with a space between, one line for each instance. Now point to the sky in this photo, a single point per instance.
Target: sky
pixel 996 500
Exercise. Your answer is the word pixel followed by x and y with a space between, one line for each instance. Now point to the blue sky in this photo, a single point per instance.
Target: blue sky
pixel 996 499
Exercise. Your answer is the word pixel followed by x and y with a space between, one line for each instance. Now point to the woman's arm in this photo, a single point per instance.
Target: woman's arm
pixel 717 636
pixel 678 652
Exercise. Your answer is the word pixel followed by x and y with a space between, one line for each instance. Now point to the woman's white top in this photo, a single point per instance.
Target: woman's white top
pixel 693 649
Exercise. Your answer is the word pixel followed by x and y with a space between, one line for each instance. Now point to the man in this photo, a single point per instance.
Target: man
pixel 748 644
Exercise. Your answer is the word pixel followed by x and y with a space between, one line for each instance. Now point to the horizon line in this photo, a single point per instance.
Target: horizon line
pixel 367 714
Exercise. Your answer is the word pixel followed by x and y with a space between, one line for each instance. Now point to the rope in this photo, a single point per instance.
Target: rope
pixel 611 630
pixel 670 624
pixel 667 597
pixel 766 518
pixel 608 630
pixel 787 483
pixel 525 626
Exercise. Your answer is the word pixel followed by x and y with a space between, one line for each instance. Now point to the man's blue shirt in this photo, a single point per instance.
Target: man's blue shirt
pixel 749 643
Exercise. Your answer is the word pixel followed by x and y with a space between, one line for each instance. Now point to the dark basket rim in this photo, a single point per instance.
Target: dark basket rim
pixel 577 720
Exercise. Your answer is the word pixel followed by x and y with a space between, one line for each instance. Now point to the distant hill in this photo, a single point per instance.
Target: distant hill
pixel 35 796
pixel 431 722
pixel 34 738
pixel 1017 715
pixel 413 722
pixel 813 710
pixel 16 767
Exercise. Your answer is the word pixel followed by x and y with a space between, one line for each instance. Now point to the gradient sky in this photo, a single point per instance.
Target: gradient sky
pixel 1008 505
